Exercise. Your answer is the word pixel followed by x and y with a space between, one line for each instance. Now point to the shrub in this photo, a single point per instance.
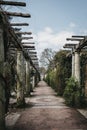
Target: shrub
pixel 73 94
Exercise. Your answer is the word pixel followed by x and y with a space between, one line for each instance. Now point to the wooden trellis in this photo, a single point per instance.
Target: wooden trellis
pixel 13 34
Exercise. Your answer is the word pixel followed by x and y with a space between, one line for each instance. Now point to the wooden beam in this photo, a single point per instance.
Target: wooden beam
pixel 82 44
pixel 27 43
pixel 29 46
pixel 32 52
pixel 17 41
pixel 19 24
pixel 69 45
pixel 73 39
pixel 13 3
pixel 24 33
pixel 78 36
pixel 22 38
pixel 16 14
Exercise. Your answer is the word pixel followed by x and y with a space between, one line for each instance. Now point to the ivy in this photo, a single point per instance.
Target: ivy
pixel 73 94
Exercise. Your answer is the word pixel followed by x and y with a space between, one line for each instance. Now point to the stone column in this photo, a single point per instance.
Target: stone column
pixel 33 82
pixel 73 64
pixel 20 79
pixel 27 77
pixel 36 78
pixel 2 83
pixel 77 66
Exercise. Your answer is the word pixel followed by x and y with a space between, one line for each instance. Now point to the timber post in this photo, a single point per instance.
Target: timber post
pixel 20 78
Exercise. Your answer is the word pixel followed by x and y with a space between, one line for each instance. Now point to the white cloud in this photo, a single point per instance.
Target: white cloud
pixel 47 38
pixel 72 25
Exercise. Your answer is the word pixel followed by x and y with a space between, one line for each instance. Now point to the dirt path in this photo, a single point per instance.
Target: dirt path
pixel 48 112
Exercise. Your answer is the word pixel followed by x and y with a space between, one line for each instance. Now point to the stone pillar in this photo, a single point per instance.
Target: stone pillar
pixel 20 79
pixel 36 78
pixel 33 82
pixel 2 83
pixel 77 66
pixel 73 64
pixel 27 77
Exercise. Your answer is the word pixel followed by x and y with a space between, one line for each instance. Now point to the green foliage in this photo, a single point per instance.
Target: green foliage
pixel 56 77
pixel 63 70
pixel 50 78
pixel 73 94
pixel 83 63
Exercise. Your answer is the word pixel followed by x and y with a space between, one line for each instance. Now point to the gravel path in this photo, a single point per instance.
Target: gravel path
pixel 48 112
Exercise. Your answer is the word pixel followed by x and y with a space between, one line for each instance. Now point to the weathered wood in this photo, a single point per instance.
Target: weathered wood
pixel 29 46
pixel 15 38
pixel 27 43
pixel 82 44
pixel 19 24
pixel 26 38
pixel 12 3
pixel 33 56
pixel 78 36
pixel 32 52
pixel 74 39
pixel 67 45
pixel 24 33
pixel 16 14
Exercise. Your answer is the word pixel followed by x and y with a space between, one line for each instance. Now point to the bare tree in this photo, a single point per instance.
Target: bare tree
pixel 47 57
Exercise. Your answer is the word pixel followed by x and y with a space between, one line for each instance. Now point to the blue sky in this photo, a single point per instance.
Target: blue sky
pixel 52 21
pixel 58 14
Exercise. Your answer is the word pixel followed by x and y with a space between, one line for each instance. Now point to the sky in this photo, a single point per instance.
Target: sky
pixel 52 21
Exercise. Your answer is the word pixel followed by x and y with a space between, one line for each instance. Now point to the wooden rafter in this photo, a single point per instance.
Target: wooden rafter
pixel 24 33
pixel 32 52
pixel 16 14
pixel 13 3
pixel 29 46
pixel 17 43
pixel 73 39
pixel 28 43
pixel 26 38
pixel 78 36
pixel 19 24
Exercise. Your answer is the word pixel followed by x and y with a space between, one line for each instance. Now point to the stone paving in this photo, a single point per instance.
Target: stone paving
pixel 48 112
